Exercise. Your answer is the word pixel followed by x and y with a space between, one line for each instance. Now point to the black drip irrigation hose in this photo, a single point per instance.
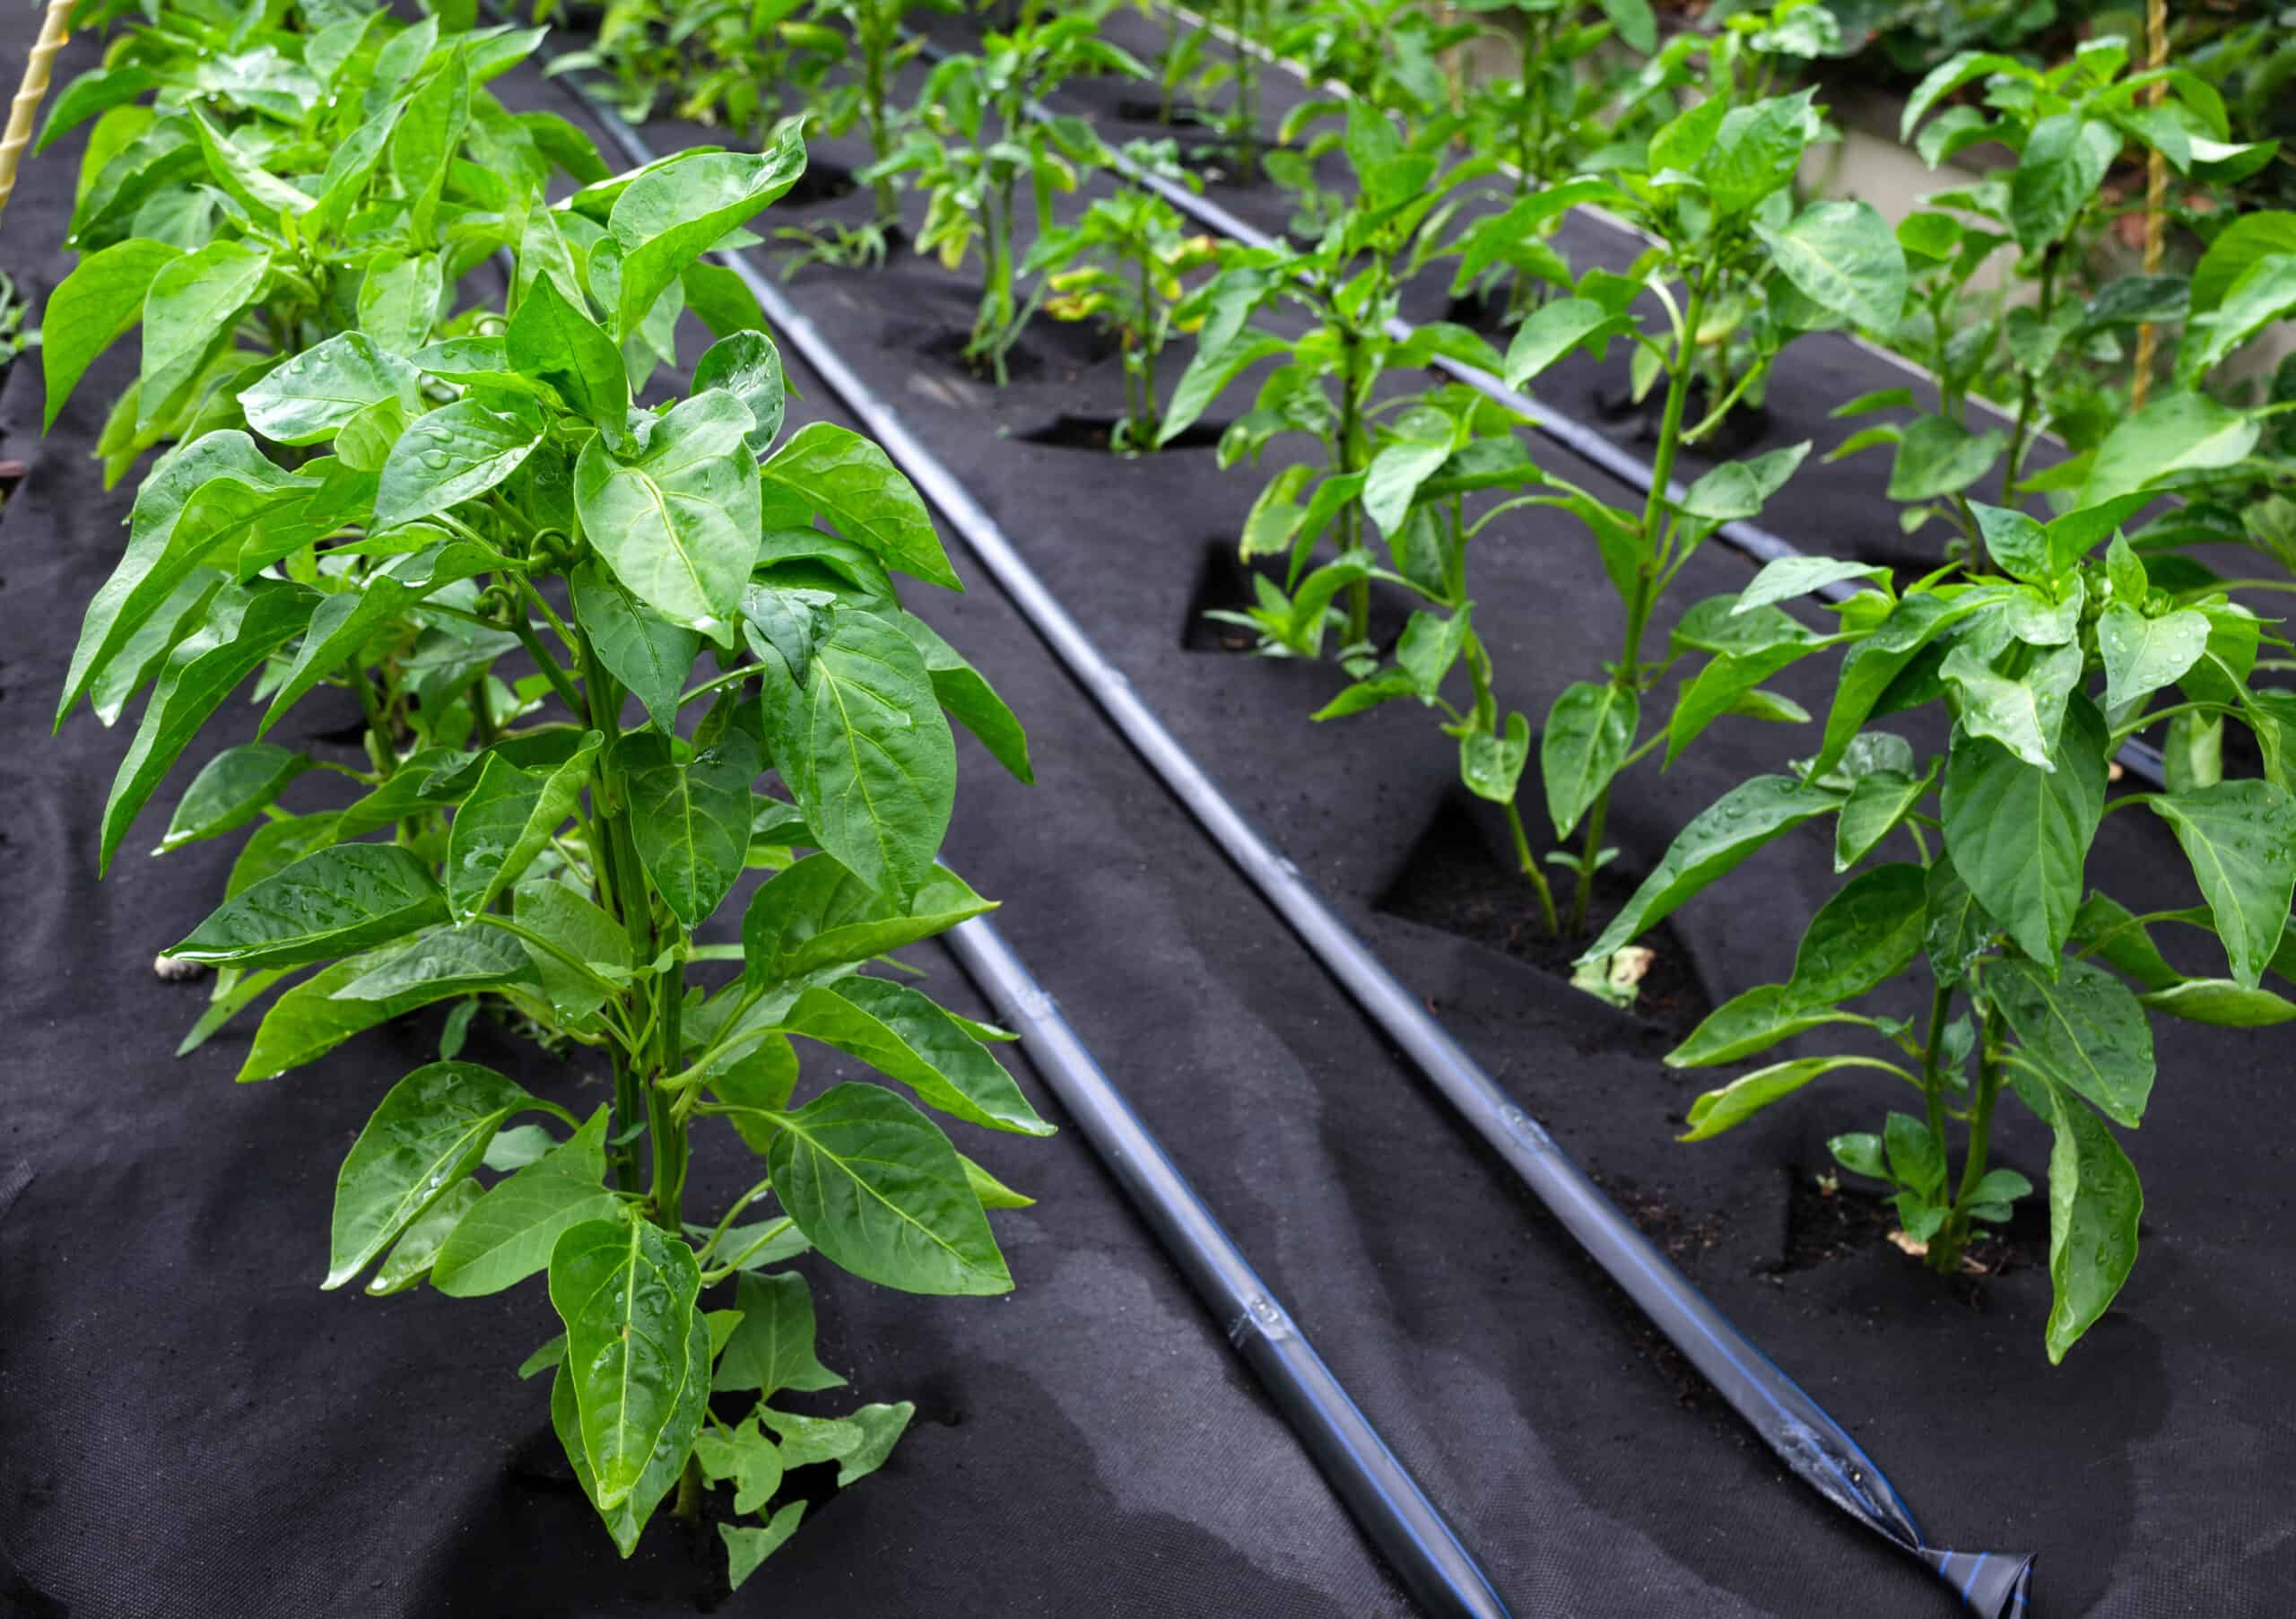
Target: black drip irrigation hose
pixel 1421 1548
pixel 1794 1426
pixel 2139 759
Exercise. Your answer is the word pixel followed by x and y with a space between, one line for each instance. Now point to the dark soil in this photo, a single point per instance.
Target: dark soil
pixel 1461 878
pixel 1744 429
pixel 1184 115
pixel 1827 1220
pixel 1073 429
pixel 1225 584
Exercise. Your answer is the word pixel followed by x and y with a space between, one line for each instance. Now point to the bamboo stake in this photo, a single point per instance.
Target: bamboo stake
pixel 54 27
pixel 2156 195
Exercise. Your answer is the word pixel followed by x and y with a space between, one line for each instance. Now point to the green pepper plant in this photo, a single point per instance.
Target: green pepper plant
pixel 2069 126
pixel 340 180
pixel 975 141
pixel 1556 116
pixel 739 64
pixel 1122 264
pixel 580 856
pixel 883 47
pixel 1713 189
pixel 2043 656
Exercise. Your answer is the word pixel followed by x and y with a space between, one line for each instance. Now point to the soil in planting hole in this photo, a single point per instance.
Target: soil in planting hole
pixel 1461 878
pixel 1743 429
pixel 1070 430
pixel 1182 115
pixel 1225 584
pixel 821 182
pixel 1828 1219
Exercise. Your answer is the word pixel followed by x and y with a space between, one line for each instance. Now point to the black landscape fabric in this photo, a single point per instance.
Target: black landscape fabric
pixel 187 1426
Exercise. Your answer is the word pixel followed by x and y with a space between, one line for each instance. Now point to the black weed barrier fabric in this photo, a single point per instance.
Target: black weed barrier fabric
pixel 187 1426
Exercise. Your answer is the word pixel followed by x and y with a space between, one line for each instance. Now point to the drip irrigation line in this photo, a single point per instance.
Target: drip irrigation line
pixel 1408 1529
pixel 1811 1444
pixel 1589 444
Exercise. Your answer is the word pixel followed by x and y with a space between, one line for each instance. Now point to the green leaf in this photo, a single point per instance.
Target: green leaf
pixel 673 212
pixel 1491 766
pixel 743 1453
pixel 2058 173
pixel 773 1348
pixel 242 629
pixel 1747 1096
pixel 417 1249
pixel 859 1444
pixel 194 303
pixel 1589 732
pixel 2240 837
pixel 330 903
pixel 583 931
pixel 2094 1206
pixel 817 915
pixel 1756 150
pixel 748 366
pixel 1723 686
pixel 422 148
pixel 969 698
pixel 835 472
pixel 900 1032
pixel 309 396
pixel 1751 1022
pixel 1717 840
pixel 627 1519
pixel 551 341
pixel 878 1188
pixel 1843 256
pixel 507 820
pixel 197 504
pixel 2142 655
pixel 746 1545
pixel 691 821
pixel 864 749
pixel 626 1289
pixel 2265 294
pixel 1878 803
pixel 231 789
pixel 448 456
pixel 647 654
pixel 510 1233
pixel 678 523
pixel 1554 329
pixel 431 1131
pixel 2222 1003
pixel 2018 835
pixel 2026 714
pixel 398 299
pixel 1785 577
pixel 1737 489
pixel 1868 932
pixel 447 961
pixel 1937 456
pixel 93 308
pixel 2183 432
pixel 2085 1030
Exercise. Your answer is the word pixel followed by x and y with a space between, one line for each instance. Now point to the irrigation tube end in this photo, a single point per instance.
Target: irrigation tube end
pixel 1996 1585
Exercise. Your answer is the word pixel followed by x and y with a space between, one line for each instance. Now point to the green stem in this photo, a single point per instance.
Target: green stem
pixel 1350 516
pixel 1530 867
pixel 1932 1081
pixel 1628 676
pixel 773 1228
pixel 2029 388
pixel 1946 1249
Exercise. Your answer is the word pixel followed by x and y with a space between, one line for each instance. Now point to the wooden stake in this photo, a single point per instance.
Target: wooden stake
pixel 2156 195
pixel 54 29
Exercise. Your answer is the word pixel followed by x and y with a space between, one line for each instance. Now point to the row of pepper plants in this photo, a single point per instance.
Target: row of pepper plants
pixel 612 649
pixel 2084 609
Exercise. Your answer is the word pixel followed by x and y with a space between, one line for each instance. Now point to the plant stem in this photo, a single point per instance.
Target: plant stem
pixel 2029 391
pixel 1351 515
pixel 1932 1081
pixel 1628 675
pixel 1946 1247
pixel 875 45
pixel 1530 867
